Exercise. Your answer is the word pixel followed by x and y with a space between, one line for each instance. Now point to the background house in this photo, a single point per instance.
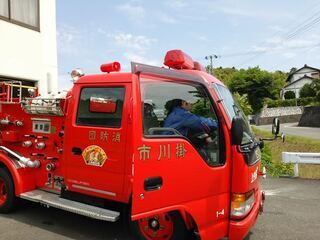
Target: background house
pixel 28 46
pixel 298 78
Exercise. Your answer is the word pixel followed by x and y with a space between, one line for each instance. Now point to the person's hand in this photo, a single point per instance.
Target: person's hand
pixel 209 140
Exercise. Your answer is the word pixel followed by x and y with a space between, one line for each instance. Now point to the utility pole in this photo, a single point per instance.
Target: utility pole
pixel 210 57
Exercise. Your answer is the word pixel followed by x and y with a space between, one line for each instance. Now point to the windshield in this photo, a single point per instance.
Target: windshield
pixel 233 109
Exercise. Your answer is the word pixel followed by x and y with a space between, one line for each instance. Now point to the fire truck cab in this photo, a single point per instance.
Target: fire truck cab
pixel 104 150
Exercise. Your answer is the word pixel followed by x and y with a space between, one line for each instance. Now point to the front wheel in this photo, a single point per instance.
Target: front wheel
pixel 7 196
pixel 164 226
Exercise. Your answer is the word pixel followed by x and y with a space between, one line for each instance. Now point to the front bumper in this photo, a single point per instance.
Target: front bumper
pixel 239 229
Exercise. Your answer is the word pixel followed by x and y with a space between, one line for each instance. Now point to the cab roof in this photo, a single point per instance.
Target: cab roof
pixel 138 68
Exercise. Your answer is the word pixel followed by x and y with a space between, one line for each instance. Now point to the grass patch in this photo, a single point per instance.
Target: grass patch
pixel 272 154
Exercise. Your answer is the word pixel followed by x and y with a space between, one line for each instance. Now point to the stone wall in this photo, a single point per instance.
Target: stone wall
pixel 285 115
pixel 310 117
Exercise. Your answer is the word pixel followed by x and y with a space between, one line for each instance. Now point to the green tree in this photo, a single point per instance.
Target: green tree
pixel 202 108
pixel 257 84
pixel 243 102
pixel 289 95
pixel 225 75
pixel 316 87
pixel 307 91
pixel 279 81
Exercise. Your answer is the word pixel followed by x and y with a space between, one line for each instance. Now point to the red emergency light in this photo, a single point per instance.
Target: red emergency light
pixel 110 67
pixel 198 66
pixel 177 59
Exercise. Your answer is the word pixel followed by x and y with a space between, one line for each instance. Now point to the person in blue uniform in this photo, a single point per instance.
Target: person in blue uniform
pixel 180 118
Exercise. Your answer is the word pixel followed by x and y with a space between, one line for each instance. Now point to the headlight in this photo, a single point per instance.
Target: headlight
pixel 241 204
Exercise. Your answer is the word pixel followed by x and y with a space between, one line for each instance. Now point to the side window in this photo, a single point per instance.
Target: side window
pixel 101 107
pixel 178 109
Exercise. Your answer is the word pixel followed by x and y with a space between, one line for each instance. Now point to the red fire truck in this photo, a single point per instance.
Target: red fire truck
pixel 101 150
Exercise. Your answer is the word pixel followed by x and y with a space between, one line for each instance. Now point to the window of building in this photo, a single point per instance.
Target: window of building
pixel 87 117
pixel 21 12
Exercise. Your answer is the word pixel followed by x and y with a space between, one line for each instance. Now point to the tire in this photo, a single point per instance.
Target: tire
pixel 165 226
pixel 8 200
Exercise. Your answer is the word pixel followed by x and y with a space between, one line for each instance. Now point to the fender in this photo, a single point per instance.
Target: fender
pixel 21 176
pixel 200 214
pixel 185 214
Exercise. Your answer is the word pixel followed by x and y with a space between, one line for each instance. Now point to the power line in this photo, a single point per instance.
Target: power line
pixel 306 20
pixel 274 49
pixel 305 51
pixel 300 28
pixel 306 25
pixel 304 28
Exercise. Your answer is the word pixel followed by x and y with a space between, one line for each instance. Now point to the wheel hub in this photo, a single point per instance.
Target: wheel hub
pixel 158 227
pixel 154 224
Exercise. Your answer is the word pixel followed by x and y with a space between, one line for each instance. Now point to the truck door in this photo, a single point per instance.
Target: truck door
pixel 95 139
pixel 172 172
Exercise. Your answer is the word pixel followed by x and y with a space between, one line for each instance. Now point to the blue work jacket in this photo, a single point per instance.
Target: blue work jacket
pixel 183 120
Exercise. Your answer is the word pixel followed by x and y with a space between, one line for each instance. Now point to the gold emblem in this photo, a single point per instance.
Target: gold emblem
pixel 94 155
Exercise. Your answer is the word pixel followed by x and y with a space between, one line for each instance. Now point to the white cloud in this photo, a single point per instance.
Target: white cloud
pixel 68 39
pixel 253 13
pixel 282 44
pixel 132 42
pixel 134 47
pixel 248 9
pixel 277 28
pixel 165 18
pixel 203 38
pixel 176 4
pixel 135 57
pixel 289 55
pixel 134 12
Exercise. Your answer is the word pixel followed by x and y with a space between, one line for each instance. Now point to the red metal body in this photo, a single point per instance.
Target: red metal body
pixel 202 194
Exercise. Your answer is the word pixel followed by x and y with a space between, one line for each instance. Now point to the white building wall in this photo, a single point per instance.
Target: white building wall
pixel 302 72
pixel 31 55
pixel 297 86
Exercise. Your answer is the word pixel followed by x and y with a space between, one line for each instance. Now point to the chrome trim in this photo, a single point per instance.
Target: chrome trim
pixel 27 162
pixel 138 68
pixel 94 190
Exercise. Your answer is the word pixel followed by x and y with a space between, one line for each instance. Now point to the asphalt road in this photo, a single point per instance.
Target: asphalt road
pixel 292 211
pixel 293 129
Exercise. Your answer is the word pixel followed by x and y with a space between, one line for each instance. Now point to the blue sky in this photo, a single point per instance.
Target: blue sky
pixel 272 34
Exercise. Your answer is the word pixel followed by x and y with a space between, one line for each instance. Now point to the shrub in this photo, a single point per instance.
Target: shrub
pixel 289 95
pixel 274 169
pixel 291 102
pixel 307 91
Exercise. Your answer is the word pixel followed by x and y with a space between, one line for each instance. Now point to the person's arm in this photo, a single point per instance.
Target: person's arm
pixel 195 122
pixel 209 122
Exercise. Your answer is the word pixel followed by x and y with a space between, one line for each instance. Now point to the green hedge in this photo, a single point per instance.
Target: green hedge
pixel 291 102
pixel 274 168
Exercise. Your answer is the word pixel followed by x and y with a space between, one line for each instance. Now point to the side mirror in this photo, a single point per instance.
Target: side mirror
pixel 102 105
pixel 236 130
pixel 276 126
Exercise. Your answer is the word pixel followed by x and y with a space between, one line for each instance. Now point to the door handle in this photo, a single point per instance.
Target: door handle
pixel 153 183
pixel 76 151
